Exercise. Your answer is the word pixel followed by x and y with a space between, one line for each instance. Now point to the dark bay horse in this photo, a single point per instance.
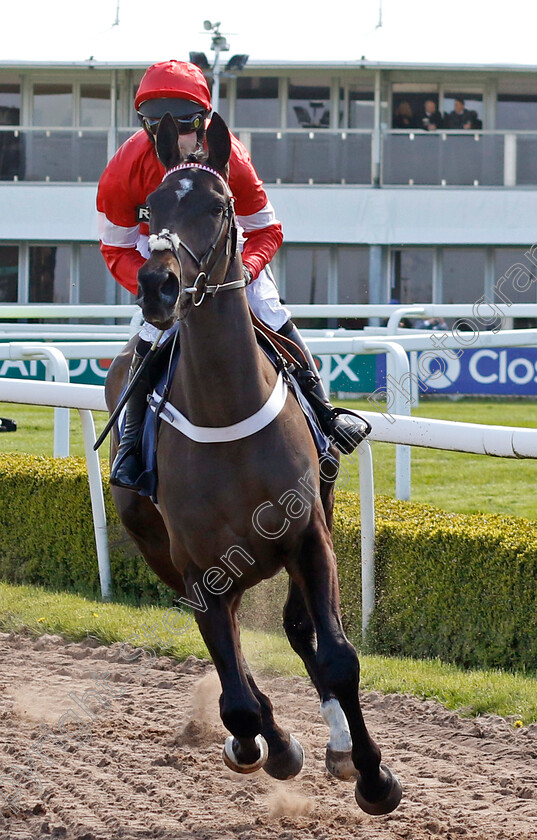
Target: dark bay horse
pixel 238 498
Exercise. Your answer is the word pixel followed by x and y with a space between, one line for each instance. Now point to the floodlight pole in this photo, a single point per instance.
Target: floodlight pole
pixel 218 44
pixel 216 80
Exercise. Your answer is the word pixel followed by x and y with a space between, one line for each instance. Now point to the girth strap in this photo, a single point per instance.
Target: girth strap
pixel 224 434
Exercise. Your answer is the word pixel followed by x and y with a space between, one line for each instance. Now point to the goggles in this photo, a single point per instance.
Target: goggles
pixel 185 125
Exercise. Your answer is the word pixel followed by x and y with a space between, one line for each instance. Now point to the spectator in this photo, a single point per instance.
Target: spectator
pixel 403 117
pixel 432 324
pixel 474 121
pixel 431 118
pixel 460 117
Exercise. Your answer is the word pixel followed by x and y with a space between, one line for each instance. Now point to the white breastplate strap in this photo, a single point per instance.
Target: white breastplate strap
pixel 223 434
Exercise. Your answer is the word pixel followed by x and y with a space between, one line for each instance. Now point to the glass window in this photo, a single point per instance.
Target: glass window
pixel 309 104
pixel 412 275
pixel 411 107
pixel 306 275
pixel 53 105
pixel 467 113
pixel 9 272
pixel 96 284
pixel 519 284
pixel 517 111
pixel 353 274
pixel 10 104
pixel 10 144
pixel 95 106
pixel 50 273
pixel 361 113
pixel 463 275
pixel 258 104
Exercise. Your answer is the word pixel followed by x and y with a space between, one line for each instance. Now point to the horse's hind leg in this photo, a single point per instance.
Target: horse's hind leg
pixel 300 631
pixel 246 750
pixel 377 790
pixel 286 756
pixel 302 638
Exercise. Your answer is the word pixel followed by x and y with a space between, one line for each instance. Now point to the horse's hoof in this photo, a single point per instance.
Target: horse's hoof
pixel 286 764
pixel 388 802
pixel 340 765
pixel 230 759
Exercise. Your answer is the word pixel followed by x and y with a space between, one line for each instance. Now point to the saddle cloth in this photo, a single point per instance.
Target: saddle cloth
pixel 148 478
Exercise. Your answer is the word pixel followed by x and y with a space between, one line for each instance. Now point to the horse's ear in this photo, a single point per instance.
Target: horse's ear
pixel 168 142
pixel 218 143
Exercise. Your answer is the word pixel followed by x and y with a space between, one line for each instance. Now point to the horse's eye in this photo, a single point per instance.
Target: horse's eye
pixel 218 209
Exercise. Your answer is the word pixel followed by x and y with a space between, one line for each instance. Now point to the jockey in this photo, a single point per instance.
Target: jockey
pixel 179 88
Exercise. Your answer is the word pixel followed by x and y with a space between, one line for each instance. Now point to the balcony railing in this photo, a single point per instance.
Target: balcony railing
pixel 311 157
pixel 52 154
pixel 297 156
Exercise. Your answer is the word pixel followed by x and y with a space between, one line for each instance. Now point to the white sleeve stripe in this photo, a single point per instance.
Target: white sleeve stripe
pixel 257 221
pixel 115 235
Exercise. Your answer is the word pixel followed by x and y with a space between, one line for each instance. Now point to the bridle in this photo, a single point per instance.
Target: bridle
pixel 212 256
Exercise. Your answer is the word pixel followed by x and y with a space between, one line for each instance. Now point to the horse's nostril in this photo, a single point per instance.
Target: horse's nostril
pixel 170 287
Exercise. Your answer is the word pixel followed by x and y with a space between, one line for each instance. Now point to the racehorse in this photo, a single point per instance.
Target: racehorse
pixel 240 489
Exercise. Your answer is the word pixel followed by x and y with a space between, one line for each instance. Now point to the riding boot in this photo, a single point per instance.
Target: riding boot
pixel 128 465
pixel 346 433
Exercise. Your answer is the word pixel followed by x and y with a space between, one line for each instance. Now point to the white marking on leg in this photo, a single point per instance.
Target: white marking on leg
pixel 340 736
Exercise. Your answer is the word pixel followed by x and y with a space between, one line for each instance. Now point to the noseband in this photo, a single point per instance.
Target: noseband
pixel 207 263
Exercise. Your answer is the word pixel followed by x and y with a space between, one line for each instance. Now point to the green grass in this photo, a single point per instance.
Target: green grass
pixel 456 481
pixel 36 611
pixel 453 481
pixel 35 424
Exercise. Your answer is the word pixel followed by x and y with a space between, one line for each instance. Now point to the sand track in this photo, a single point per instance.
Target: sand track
pixel 148 764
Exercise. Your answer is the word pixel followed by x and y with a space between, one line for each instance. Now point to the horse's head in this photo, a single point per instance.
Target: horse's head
pixel 192 227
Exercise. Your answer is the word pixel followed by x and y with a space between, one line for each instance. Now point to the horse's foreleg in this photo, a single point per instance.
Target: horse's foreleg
pixel 246 751
pixel 286 756
pixel 300 631
pixel 377 790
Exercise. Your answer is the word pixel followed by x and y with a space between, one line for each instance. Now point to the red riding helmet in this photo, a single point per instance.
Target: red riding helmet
pixel 174 80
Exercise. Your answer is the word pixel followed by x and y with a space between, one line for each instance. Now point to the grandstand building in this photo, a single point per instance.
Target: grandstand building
pixel 371 212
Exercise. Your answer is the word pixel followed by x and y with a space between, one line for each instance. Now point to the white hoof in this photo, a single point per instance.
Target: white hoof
pixel 230 759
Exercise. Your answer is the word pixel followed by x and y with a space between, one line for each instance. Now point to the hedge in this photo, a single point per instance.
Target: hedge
pixel 459 587
pixel 47 537
pixel 463 588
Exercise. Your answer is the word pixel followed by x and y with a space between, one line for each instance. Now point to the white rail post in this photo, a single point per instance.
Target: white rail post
pixel 324 372
pixel 401 392
pixel 367 529
pixel 57 367
pixel 97 502
pixel 398 314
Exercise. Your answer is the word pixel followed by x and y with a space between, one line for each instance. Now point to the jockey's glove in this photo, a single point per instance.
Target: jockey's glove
pixel 247 274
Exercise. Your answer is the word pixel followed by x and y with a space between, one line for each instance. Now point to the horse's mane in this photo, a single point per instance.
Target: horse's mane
pixel 199 156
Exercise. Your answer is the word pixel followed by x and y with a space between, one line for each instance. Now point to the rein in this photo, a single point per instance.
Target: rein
pixel 165 240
